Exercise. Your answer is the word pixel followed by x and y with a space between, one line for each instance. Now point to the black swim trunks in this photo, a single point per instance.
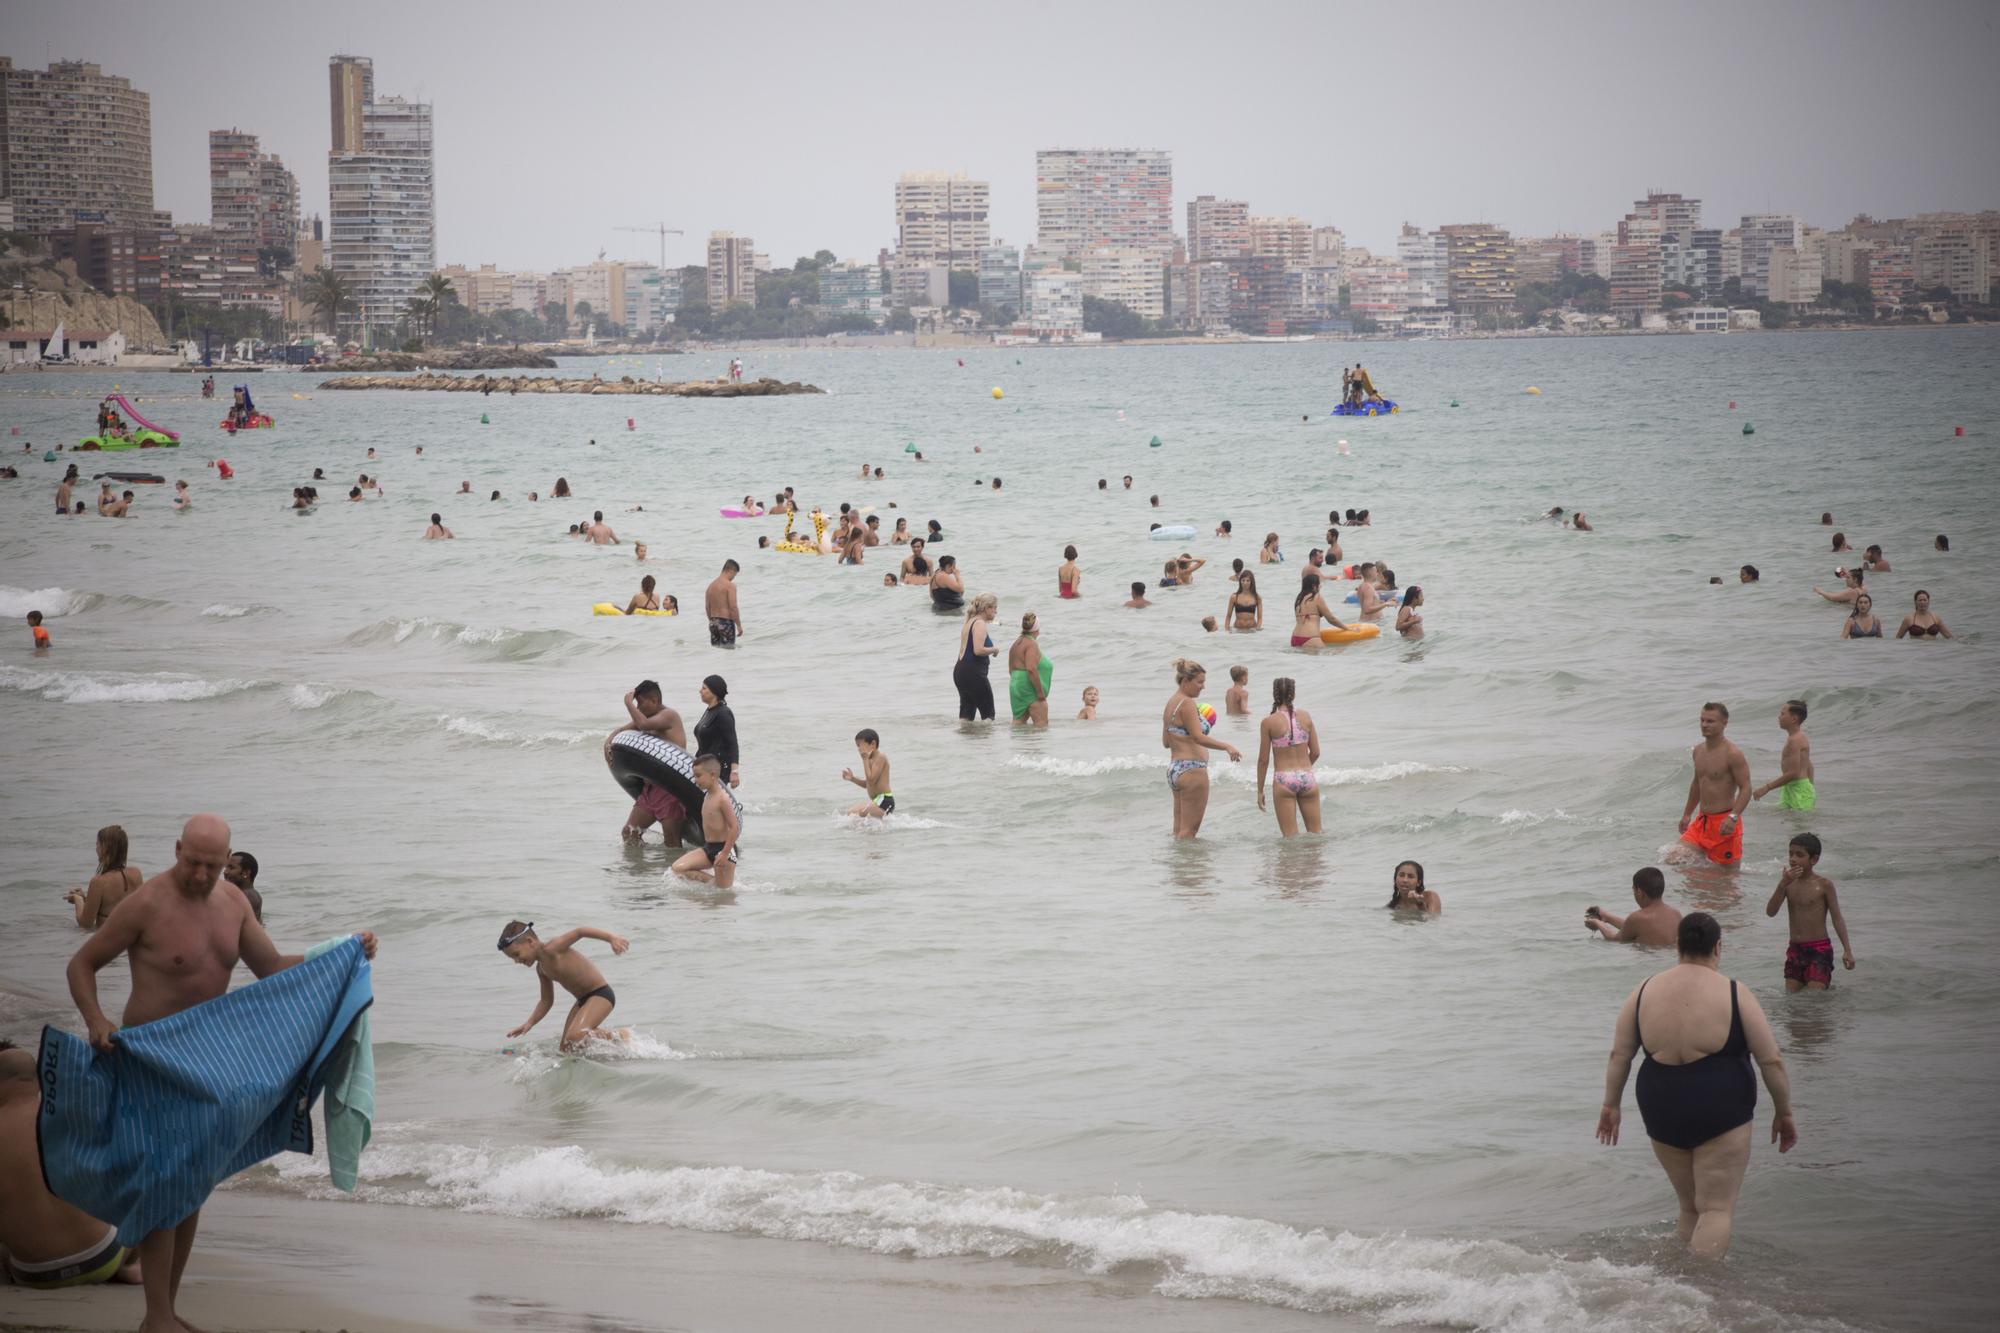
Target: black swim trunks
pixel 721 632
pixel 713 850
pixel 606 992
pixel 887 803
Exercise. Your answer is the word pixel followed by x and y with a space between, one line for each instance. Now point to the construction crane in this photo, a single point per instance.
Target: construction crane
pixel 664 230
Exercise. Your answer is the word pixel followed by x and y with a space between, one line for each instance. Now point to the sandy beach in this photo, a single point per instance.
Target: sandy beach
pixel 270 1264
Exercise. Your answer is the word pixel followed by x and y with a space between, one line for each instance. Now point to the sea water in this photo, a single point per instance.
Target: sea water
pixel 1016 1019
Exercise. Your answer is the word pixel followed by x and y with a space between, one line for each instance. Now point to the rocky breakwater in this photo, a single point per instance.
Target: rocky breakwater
pixel 480 384
pixel 480 358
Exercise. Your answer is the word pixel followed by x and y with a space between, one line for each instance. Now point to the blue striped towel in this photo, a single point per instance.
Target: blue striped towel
pixel 140 1136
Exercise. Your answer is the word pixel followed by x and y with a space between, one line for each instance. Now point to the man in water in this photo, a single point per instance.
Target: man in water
pixel 646 711
pixel 725 617
pixel 599 531
pixel 1720 789
pixel 1655 923
pixel 1795 765
pixel 183 935
pixel 44 1242
pixel 242 872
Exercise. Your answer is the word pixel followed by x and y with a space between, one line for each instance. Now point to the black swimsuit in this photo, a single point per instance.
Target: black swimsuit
pixel 1684 1106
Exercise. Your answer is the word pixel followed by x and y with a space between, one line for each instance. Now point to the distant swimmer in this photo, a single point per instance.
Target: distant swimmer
pixel 1874 561
pixel 1579 525
pixel 947 585
pixel 714 860
pixel 112 882
pixel 1184 734
pixel 1810 903
pixel 1922 622
pixel 725 615
pixel 38 633
pixel 1088 713
pixel 1268 553
pixel 1795 765
pixel 437 530
pixel 1853 589
pixel 1288 746
pixel 1236 699
pixel 1137 601
pixel 1069 579
pixel 639 551
pixel 182 499
pixel 873 778
pixel 1748 574
pixel 1697 1093
pixel 1407 892
pixel 1862 622
pixel 1656 923
pixel 1840 546
pixel 600 532
pixel 916 569
pixel 1712 820
pixel 561 489
pixel 901 536
pixel 556 962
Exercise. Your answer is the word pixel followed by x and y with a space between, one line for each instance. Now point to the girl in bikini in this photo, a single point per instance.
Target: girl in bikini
pixel 1186 739
pixel 1921 623
pixel 1308 609
pixel 1287 739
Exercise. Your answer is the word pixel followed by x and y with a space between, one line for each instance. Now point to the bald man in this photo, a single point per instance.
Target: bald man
pixel 44 1242
pixel 184 930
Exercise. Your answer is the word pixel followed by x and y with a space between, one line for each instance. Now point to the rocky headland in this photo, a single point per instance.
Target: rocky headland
pixel 480 384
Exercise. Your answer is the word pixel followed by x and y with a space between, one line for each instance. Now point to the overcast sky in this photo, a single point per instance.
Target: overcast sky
pixel 557 123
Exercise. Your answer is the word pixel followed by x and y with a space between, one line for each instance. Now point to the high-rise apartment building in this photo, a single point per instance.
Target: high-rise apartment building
pixel 652 295
pixel 1676 215
pixel 252 199
pixel 852 287
pixel 382 199
pixel 1217 228
pixel 1953 260
pixel 76 145
pixel 1287 240
pixel 1133 277
pixel 941 219
pixel 1092 198
pixel 1793 275
pixel 1635 269
pixel 1425 258
pixel 732 269
pixel 1760 232
pixel 1055 303
pixel 1481 267
pixel 1000 276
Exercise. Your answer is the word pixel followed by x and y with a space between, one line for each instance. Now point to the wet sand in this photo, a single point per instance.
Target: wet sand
pixel 270 1263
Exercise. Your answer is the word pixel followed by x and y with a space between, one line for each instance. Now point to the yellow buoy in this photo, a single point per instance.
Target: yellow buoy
pixel 1532 389
pixel 997 393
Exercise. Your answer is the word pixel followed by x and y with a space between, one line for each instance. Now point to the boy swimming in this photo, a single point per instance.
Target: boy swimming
pixel 874 777
pixel 557 961
pixel 1236 699
pixel 1811 900
pixel 720 828
pixel 38 632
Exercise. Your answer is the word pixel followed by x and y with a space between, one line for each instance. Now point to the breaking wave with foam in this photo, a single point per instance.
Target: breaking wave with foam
pixel 1392 1279
pixel 53 603
pixel 74 687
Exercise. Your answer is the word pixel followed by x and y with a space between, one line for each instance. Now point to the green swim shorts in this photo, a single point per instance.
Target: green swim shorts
pixel 1797 795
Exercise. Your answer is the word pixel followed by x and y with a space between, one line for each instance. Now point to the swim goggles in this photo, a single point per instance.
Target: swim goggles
pixel 506 939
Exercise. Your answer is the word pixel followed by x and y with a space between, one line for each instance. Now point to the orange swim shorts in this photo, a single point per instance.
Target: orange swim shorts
pixel 1706 833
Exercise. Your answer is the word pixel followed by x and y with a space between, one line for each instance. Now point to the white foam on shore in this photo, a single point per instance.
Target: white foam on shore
pixel 1220 769
pixel 73 687
pixel 1394 1280
pixel 1531 818
pixel 53 603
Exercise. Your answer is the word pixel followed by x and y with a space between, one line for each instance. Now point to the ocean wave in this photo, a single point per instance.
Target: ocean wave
pixel 886 824
pixel 51 602
pixel 486 731
pixel 1509 818
pixel 512 645
pixel 225 611
pixel 307 697
pixel 1392 1279
pixel 74 687
pixel 1087 768
pixel 1245 772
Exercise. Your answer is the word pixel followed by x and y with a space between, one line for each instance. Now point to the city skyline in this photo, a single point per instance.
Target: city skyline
pixel 1884 114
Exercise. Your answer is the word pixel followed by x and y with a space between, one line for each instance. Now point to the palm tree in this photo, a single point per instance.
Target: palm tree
pixel 328 293
pixel 437 293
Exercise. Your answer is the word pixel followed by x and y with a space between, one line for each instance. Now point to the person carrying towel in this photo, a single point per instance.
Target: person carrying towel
pixel 183 930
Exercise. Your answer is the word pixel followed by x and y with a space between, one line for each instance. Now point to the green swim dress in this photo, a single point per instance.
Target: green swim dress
pixel 1797 795
pixel 1021 690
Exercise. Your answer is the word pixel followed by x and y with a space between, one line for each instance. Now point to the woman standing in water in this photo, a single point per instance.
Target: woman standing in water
pixel 947 588
pixel 1410 621
pixel 1028 673
pixel 1287 739
pixel 1308 609
pixel 1187 742
pixel 975 647
pixel 1245 609
pixel 1697 1093
pixel 113 880
pixel 715 733
pixel 1862 623
pixel 1922 623
pixel 1069 579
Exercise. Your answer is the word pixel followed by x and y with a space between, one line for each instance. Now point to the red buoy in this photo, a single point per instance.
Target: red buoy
pixel 1732 404
pixel 629 425
pixel 1958 430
